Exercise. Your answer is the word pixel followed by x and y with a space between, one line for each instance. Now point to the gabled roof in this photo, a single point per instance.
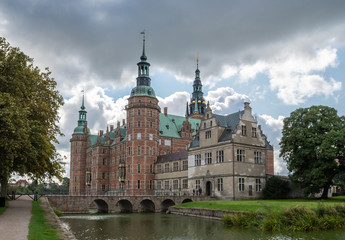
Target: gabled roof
pixel 170 125
pixel 229 121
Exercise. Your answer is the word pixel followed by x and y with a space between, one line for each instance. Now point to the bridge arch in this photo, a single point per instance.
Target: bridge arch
pixel 100 204
pixel 125 206
pixel 187 200
pixel 166 204
pixel 147 205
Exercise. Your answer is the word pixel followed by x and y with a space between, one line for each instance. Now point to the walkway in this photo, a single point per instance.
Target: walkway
pixel 14 222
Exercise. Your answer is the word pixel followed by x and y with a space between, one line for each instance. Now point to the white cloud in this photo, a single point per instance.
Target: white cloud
pixel 176 103
pixel 275 125
pixel 225 100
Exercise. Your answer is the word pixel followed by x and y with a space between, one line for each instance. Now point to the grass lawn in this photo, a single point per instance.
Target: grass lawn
pixel 38 227
pixel 263 205
pixel 2 210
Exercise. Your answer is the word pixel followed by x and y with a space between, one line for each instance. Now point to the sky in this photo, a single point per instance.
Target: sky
pixel 279 55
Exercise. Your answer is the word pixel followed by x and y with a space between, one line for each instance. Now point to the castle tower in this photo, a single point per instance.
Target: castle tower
pixel 78 173
pixel 142 132
pixel 197 103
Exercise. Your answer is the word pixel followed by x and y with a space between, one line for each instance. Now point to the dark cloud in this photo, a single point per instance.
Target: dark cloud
pixel 98 40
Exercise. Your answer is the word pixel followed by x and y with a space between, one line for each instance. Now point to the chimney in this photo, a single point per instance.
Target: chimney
pixel 100 132
pixel 165 111
pixel 123 122
pixel 111 128
pixel 246 105
pixel 259 127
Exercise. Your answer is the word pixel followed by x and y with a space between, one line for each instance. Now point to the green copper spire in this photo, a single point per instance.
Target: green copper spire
pixel 197 102
pixel 82 122
pixel 143 87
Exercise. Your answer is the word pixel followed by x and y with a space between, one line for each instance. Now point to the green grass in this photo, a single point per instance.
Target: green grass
pixel 3 209
pixel 38 227
pixel 263 205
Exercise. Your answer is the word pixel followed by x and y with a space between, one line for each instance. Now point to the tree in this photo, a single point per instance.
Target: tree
pixel 313 146
pixel 276 188
pixel 29 118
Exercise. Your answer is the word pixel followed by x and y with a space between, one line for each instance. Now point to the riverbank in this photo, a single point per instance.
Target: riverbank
pixel 53 225
pixel 271 215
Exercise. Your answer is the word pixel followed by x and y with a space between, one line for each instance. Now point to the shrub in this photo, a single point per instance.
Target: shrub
pixel 276 188
pixel 57 212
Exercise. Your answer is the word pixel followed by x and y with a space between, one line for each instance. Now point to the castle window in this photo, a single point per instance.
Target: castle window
pixel 138 184
pixel 244 131
pixel 129 137
pixel 139 101
pixel 175 184
pixel 75 179
pixel 208 134
pixel 150 124
pixel 184 183
pixel 254 132
pixel 103 175
pixel 241 184
pixel 150 112
pixel 210 123
pixel 204 125
pixel 151 136
pixel 138 112
pixel 166 167
pixel 159 168
pixel 175 166
pixel 220 184
pixel 197 184
pixel 258 185
pixel 185 165
pixel 129 150
pixel 159 185
pixel 104 161
pixel 167 142
pixel 138 136
pixel 208 158
pixel 104 150
pixel 138 168
pixel 257 157
pixel 240 155
pixel 166 185
pixel 220 156
pixel 151 184
pixel 197 160
pixel 151 149
pixel 138 123
pixel 151 168
pixel 139 150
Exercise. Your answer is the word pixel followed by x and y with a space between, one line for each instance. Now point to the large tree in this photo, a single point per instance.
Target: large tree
pixel 313 146
pixel 29 118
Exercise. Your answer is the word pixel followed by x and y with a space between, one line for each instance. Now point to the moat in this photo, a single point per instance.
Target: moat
pixel 154 226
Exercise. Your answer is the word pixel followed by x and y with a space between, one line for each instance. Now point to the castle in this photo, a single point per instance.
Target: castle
pixel 154 153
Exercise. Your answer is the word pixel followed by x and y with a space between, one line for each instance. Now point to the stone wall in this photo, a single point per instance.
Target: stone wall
pixel 201 212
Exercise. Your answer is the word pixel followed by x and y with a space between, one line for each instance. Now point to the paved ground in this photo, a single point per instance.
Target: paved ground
pixel 14 222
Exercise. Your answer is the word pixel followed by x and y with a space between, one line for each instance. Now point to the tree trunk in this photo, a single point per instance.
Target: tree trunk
pixel 325 191
pixel 3 188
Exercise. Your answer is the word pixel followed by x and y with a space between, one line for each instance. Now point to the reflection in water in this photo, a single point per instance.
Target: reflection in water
pixel 172 227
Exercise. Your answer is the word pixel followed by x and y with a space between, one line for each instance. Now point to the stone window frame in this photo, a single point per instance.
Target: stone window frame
pixel 139 136
pixel 159 184
pixel 185 165
pixel 208 158
pixel 166 185
pixel 159 168
pixel 241 184
pixel 258 185
pixel 254 132
pixel 220 156
pixel 175 184
pixel 197 184
pixel 185 183
pixel 139 168
pixel 167 167
pixel 208 134
pixel 220 184
pixel 139 150
pixel 138 182
pixel 241 155
pixel 257 157
pixel 244 130
pixel 175 166
pixel 197 159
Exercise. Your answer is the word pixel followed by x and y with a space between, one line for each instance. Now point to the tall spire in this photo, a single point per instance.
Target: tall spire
pixel 82 122
pixel 82 102
pixel 143 56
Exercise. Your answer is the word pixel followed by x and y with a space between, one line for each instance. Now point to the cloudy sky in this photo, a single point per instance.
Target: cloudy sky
pixel 280 55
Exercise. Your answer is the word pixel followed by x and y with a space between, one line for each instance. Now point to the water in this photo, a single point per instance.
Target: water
pixel 154 226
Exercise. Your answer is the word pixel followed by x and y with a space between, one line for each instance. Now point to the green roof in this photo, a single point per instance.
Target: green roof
pixel 170 125
pixel 143 91
pixel 80 130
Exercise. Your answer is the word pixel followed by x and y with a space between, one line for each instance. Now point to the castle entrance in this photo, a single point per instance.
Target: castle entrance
pixel 208 188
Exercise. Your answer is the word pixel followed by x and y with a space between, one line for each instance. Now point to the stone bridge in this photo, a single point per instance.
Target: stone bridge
pixel 115 204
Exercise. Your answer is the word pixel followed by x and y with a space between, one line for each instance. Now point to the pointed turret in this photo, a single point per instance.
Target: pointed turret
pixel 197 103
pixel 143 87
pixel 82 119
pixel 187 113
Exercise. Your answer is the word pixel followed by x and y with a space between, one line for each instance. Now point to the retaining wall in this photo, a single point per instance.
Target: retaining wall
pixel 202 212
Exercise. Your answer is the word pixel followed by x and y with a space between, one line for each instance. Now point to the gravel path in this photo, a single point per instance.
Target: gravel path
pixel 14 222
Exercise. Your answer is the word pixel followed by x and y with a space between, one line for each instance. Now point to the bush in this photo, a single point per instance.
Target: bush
pixel 57 212
pixel 276 188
